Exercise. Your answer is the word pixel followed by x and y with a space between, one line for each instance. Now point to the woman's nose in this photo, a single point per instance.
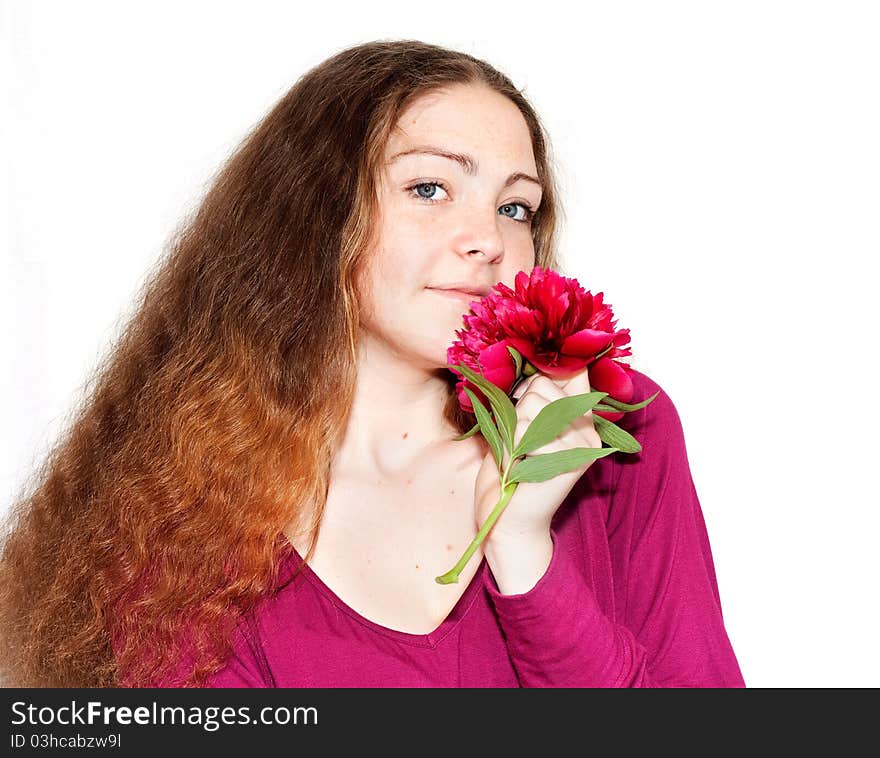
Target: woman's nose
pixel 479 232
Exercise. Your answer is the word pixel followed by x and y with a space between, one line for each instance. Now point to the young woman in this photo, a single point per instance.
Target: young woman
pixel 263 483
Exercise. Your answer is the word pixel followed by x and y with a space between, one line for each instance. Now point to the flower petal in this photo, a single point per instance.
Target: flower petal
pixel 498 365
pixel 609 376
pixel 586 343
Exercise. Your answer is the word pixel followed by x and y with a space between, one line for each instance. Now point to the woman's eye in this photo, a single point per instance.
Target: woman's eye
pixel 527 216
pixel 429 196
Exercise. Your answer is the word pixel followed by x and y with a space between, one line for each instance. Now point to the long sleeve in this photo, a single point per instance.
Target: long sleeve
pixel 671 631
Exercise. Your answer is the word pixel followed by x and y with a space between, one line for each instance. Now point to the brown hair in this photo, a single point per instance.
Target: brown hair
pixel 210 424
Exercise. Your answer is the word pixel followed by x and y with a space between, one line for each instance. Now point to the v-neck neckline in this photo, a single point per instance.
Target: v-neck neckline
pixel 431 639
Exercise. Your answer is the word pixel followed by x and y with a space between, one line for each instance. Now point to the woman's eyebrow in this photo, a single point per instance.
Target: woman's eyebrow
pixel 466 161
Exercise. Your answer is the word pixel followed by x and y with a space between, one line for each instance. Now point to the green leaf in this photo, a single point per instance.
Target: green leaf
pixel 539 468
pixel 469 433
pixel 611 434
pixel 619 405
pixel 517 358
pixel 504 410
pixel 487 427
pixel 603 407
pixel 518 381
pixel 555 418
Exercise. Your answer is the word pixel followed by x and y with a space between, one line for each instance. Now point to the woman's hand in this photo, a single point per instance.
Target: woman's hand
pixel 528 514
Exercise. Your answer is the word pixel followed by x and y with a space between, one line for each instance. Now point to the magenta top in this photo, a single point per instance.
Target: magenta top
pixel 629 599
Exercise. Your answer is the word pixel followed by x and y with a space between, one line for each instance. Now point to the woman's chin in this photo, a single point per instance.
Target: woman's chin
pixel 440 361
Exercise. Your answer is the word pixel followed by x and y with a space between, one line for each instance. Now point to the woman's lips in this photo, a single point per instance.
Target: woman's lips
pixel 464 297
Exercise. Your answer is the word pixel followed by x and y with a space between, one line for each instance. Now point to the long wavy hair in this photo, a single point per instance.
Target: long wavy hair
pixel 208 427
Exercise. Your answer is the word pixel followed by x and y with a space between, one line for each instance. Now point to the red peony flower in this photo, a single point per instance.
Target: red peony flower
pixel 559 329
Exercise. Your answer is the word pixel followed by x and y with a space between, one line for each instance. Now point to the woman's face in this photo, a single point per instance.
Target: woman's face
pixel 444 223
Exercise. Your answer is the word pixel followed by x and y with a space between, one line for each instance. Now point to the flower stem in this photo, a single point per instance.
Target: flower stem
pixel 507 490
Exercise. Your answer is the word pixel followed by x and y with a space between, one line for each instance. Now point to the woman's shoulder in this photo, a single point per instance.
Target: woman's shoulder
pixel 658 419
pixel 619 481
pixel 655 484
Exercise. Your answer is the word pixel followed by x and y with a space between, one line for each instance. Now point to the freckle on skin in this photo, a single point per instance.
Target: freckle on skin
pixel 449 547
pixel 405 435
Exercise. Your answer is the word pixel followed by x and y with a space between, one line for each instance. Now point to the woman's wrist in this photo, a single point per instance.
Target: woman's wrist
pixel 518 560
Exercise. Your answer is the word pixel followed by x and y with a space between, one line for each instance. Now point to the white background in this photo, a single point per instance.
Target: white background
pixel 720 174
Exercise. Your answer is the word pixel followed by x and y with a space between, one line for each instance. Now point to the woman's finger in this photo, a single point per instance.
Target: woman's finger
pixel 523 386
pixel 578 383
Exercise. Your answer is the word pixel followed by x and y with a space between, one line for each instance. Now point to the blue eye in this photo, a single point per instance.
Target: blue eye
pixel 430 199
pixel 530 214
